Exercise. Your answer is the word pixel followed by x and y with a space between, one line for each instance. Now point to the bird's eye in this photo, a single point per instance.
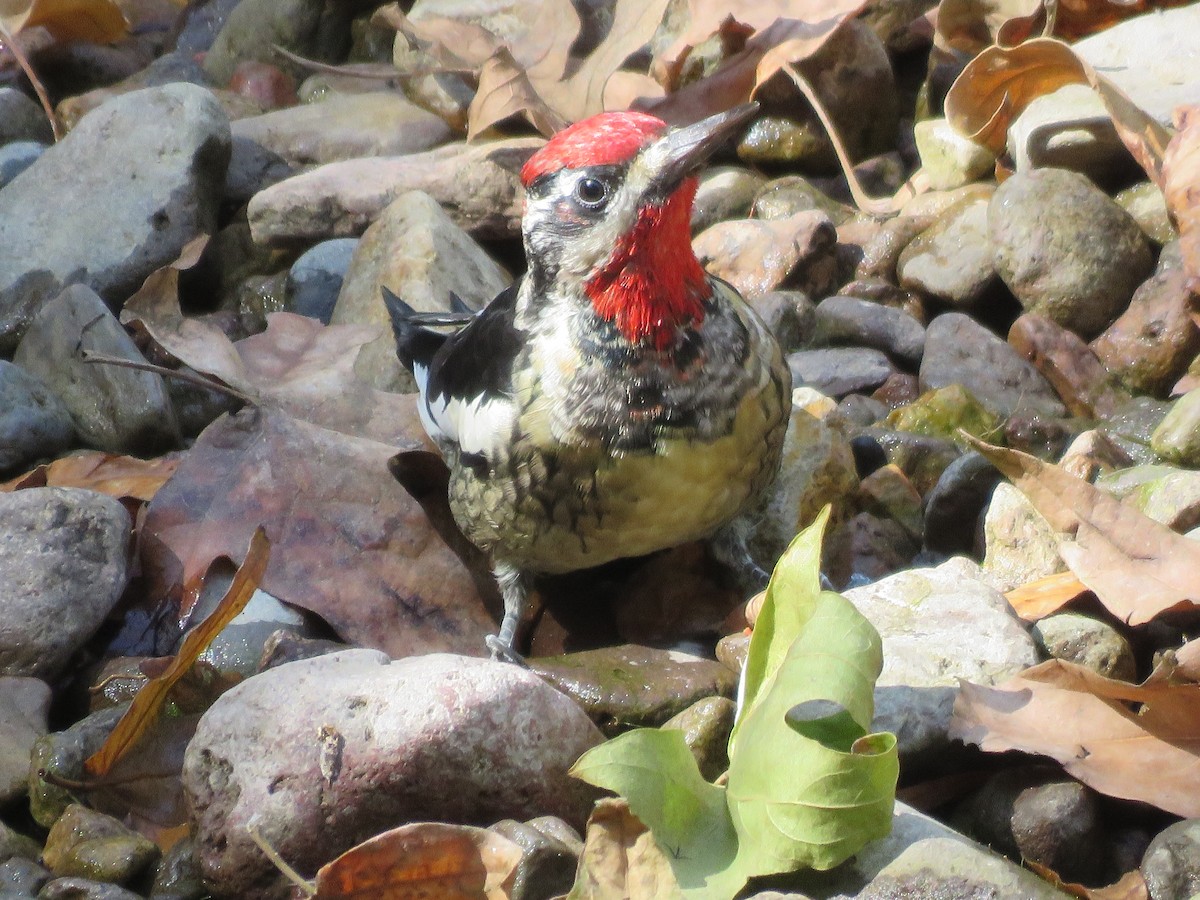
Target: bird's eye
pixel 591 191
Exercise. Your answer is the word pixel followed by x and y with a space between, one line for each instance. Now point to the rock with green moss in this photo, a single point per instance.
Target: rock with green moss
pixel 1177 438
pixel 706 725
pixel 62 754
pixel 943 412
pixel 89 844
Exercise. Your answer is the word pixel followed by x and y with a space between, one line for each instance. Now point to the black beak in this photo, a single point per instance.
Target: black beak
pixel 680 152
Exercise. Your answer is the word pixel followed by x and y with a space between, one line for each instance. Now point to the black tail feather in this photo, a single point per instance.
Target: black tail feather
pixel 415 344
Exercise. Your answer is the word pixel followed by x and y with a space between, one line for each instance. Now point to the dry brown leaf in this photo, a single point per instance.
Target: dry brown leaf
pixel 1181 185
pixel 424 859
pixel 1135 566
pixel 968 26
pixel 1046 596
pixel 350 543
pixel 146 705
pixel 1074 19
pixel 1187 660
pixel 95 21
pixel 1140 132
pixel 505 90
pixel 620 859
pixel 437 43
pixel 1131 885
pixel 1085 722
pixel 123 477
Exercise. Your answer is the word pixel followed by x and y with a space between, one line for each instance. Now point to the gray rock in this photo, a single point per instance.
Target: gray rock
pixel 791 194
pixel 86 843
pixel 1173 498
pixel 921 457
pixel 850 320
pixel 1171 865
pixel 364 744
pixel 16 157
pixel 198 26
pixel 725 192
pixel 315 279
pixel 178 875
pixel 253 26
pixel 62 569
pixel 867 548
pixel 1066 250
pixel 1177 437
pixel 952 259
pixel 1020 544
pixel 73 888
pixel 938 625
pixel 118 197
pixel 838 371
pixel 547 867
pixel 63 753
pixel 958 350
pixel 114 408
pixel 239 647
pixel 1069 129
pixel 22 119
pixel 1087 642
pixel 953 507
pixel 22 877
pixel 33 421
pixel 24 706
pixel 14 844
pixel 790 315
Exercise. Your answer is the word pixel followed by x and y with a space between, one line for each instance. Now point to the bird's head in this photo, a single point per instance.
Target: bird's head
pixel 608 209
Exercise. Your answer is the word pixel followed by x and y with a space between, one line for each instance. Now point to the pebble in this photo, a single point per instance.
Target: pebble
pixel 1148 207
pixel 1093 454
pixel 882 248
pixel 254 27
pixel 944 412
pixel 366 743
pixel 85 843
pixel 859 409
pixel 62 753
pixel 1177 437
pixel 1171 865
pixel 62 570
pixel 315 278
pixel 790 315
pixel 888 493
pixel 24 708
pixel 849 320
pixel 837 371
pixel 84 889
pixel 706 726
pixel 548 863
pixel 954 507
pixel 33 421
pixel 949 159
pixel 757 256
pixel 865 549
pixel 921 457
pixel 1172 498
pixel 18 156
pixel 784 197
pixel 725 192
pixel 1020 544
pixel 1070 366
pixel 22 877
pixel 952 261
pixel 1087 642
pixel 198 26
pixel 1065 249
pixel 22 118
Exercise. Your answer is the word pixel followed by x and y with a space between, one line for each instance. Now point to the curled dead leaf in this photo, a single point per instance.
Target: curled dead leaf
pixel 95 21
pixel 1181 186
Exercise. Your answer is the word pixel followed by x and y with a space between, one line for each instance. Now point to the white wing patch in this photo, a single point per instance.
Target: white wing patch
pixel 481 424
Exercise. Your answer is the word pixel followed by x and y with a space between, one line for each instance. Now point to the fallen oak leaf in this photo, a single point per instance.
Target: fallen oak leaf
pixel 122 477
pixel 1045 596
pixel 94 21
pixel 505 90
pixel 1136 567
pixel 621 859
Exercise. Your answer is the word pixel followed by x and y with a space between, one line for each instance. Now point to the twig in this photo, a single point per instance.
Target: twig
pixel 192 378
pixel 23 61
pixel 279 862
pixel 360 71
pixel 86 787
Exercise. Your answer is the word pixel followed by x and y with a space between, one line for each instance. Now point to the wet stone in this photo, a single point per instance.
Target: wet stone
pixel 784 197
pixel 953 508
pixel 922 458
pixel 1148 207
pixel 860 409
pixel 33 420
pixel 949 159
pixel 548 864
pixel 1177 437
pixel 24 706
pixel 84 889
pixel 866 548
pixel 706 726
pixel 1087 642
pixel 952 260
pixel 63 753
pixel 837 371
pixel 725 192
pixel 1173 499
pixel 1070 366
pixel 22 119
pixel 22 877
pixel 15 845
pixel 943 412
pixel 1171 865
pixel 85 843
pixel 888 493
pixel 755 256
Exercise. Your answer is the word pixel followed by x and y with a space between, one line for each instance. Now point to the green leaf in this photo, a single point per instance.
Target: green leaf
pixel 655 771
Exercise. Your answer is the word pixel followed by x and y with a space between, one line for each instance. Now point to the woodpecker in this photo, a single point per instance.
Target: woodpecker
pixel 616 400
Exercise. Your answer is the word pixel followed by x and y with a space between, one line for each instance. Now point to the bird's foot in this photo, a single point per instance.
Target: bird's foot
pixel 502 652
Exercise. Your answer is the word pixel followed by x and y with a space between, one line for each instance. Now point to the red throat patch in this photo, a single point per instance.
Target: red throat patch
pixel 652 284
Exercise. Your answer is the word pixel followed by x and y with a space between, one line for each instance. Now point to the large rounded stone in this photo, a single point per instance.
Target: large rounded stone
pixel 363 744
pixel 1171 865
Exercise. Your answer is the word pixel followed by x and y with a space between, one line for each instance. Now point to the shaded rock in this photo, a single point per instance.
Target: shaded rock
pixel 628 684
pixel 1093 454
pixel 783 197
pixel 85 843
pixel 958 350
pixel 22 119
pixel 13 844
pixel 178 874
pixel 198 26
pixel 24 707
pixel 365 744
pixel 862 323
pixel 757 256
pixel 732 651
pixel 935 203
pixel 167 69
pixel 476 184
pixel 33 421
pixel 114 408
pixel 943 412
pixel 1065 249
pixel 16 157
pixel 74 888
pixel 838 371
pixel 254 26
pixel 548 864
pixel 706 726
pixel 725 192
pixel 416 251
pixel 1133 424
pixel 315 279
pixel 22 877
pixel 238 649
pixel 900 389
pixel 1070 366
pixel 952 259
pixel 1088 642
pixel 953 507
pixel 1069 128
pixel 949 159
pixel 938 625
pixel 859 409
pixel 1148 207
pixel 868 453
pixel 62 569
pixel 1177 437
pixel 865 549
pixel 881 251
pixel 1020 544
pixel 1171 865
pixel 345 126
pixel 790 315
pixel 285 646
pixel 144 176
pixel 922 458
pixel 63 753
pixel 888 493
pixel 1150 346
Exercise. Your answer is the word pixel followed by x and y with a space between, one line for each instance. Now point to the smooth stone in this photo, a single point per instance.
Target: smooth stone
pixel 1171 865
pixel 958 350
pixel 867 548
pixel 22 877
pixel 706 726
pixel 952 260
pixel 921 457
pixel 22 118
pixel 63 753
pixel 167 69
pixel 315 278
pixel 15 845
pixel 791 194
pixel 62 570
pixel 85 843
pixel 938 625
pixel 116 199
pixel 1068 128
pixel 239 647
pixel 858 322
pixel 837 371
pixel 1087 642
pixel 1093 454
pixel 949 159
pixel 24 711
pixel 198 26
pixel 33 421
pixel 757 256
pixel 944 412
pixel 859 409
pixel 899 390
pixel 883 245
pixel 953 508
pixel 1148 207
pixel 113 407
pixel 18 156
pixel 1177 437
pixel 254 27
pixel 1070 366
pixel 790 316
pixel 666 683
pixel 1065 249
pixel 934 204
pixel 73 888
pixel 548 864
pixel 366 743
pixel 415 250
pixel 1020 544
pixel 725 192
pixel 178 874
pixel 1133 425
pixel 1173 499
pixel 732 651
pixel 888 493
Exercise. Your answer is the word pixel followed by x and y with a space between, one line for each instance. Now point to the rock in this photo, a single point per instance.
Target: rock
pixel 706 726
pixel 416 251
pixel 198 26
pixel 859 409
pixel 548 864
pixel 868 453
pixel 285 646
pixel 922 458
pixel 22 877
pixel 725 192
pixel 1171 865
pixel 114 408
pixel 954 506
pixel 33 421
pixel 315 279
pixel 881 251
pixel 62 569
pixel 1070 366
pixel 757 256
pixel 178 875
pixel 1150 346
pixel 1177 437
pixel 668 681
pixel 865 549
pixel 900 389
pixel 171 142
pixel 1065 249
pixel 24 707
pixel 862 323
pixel 63 753
pixel 85 843
pixel 944 412
pixel 1088 642
pixel 1172 498
pixel 84 889
pixel 167 69
pixel 1148 207
pixel 934 204
pixel 952 260
pixel 958 350
pixel 1069 128
pixel 22 119
pixel 14 845
pixel 1021 545
pixel 888 493
pixel 1093 454
pixel 345 126
pixel 948 159
pixel 365 744
pixel 783 197
pixel 239 647
pixel 254 26
pixel 790 315
pixel 265 84
pixel 1133 424
pixel 840 370
pixel 476 184
pixel 938 625
pixel 16 157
